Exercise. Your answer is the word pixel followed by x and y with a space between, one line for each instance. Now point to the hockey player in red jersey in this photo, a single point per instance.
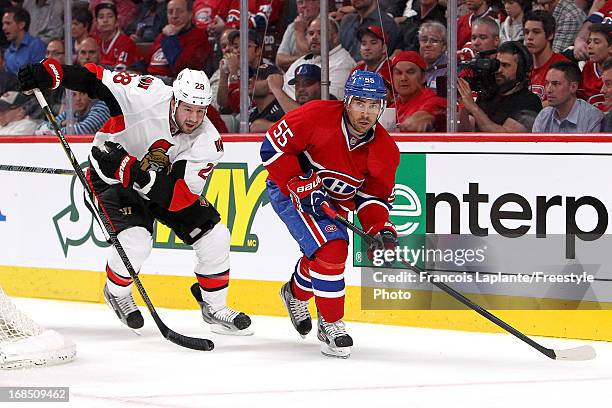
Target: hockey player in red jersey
pixel 150 161
pixel 348 161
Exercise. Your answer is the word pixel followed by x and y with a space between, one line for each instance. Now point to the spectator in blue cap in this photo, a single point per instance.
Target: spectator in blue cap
pixel 307 83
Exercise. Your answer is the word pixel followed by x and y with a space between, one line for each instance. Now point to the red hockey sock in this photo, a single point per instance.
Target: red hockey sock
pixel 117 279
pixel 327 277
pixel 300 280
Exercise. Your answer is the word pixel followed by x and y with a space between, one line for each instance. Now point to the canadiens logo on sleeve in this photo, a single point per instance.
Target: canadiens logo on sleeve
pixel 598 101
pixel 538 90
pixel 330 228
pixel 203 17
pixel 157 158
pixel 159 58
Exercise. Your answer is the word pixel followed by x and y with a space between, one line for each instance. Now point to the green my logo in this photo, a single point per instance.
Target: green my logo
pixel 74 225
pixel 236 195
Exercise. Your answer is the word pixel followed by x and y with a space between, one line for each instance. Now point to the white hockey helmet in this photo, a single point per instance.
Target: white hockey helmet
pixel 193 87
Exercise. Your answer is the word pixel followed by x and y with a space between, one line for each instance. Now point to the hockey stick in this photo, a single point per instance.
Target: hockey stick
pixel 575 354
pixel 41 170
pixel 176 338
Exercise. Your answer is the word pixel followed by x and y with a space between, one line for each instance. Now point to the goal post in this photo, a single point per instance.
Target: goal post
pixel 24 343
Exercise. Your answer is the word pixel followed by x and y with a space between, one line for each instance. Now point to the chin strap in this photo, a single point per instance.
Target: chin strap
pixel 177 129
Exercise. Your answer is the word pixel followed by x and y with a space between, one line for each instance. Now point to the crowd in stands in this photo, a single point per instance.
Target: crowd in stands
pixel 524 66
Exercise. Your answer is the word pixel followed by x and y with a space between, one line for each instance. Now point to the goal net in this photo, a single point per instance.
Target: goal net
pixel 24 343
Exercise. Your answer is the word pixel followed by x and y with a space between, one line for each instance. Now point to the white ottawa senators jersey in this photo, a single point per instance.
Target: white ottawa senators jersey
pixel 143 129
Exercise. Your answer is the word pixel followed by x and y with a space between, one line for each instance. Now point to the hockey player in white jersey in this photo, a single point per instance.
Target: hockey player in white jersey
pixel 150 161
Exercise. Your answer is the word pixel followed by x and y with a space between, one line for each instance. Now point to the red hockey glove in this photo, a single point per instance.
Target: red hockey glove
pixel 47 74
pixel 385 239
pixel 117 163
pixel 307 194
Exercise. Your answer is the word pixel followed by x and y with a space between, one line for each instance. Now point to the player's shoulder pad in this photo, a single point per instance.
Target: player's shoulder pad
pixel 207 145
pixel 385 141
pixel 136 90
pixel 314 111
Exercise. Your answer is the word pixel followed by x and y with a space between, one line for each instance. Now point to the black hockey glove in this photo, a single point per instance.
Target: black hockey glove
pixel 116 163
pixel 45 75
pixel 385 239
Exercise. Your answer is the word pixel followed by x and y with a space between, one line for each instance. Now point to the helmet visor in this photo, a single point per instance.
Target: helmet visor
pixel 366 105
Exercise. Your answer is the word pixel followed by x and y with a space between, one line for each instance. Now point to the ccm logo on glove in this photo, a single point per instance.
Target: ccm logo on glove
pixel 124 163
pixel 54 69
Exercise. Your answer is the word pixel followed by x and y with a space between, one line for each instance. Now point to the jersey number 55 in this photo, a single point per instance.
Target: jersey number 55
pixel 282 133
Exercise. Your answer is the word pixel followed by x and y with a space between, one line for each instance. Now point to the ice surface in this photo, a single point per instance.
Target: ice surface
pixel 390 366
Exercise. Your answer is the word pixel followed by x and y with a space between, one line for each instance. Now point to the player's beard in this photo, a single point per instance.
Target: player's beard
pixel 356 125
pixel 189 128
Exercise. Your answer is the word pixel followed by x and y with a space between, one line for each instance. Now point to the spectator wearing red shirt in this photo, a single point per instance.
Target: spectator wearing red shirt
pixel 418 108
pixel 539 28
pixel 219 14
pixel 180 44
pixel 601 15
pixel 127 10
pixel 478 9
pixel 117 50
pixel 599 49
pixel 373 52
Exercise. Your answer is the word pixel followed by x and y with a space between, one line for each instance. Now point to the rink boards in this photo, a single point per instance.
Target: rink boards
pixel 52 248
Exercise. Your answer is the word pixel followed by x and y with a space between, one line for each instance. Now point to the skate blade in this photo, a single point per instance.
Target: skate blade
pixel 136 331
pixel 336 352
pixel 219 329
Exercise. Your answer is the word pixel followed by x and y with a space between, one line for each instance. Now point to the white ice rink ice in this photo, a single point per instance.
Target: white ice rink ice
pixel 389 367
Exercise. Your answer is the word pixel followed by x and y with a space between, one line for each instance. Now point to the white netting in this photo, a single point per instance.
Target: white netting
pixel 14 325
pixel 24 343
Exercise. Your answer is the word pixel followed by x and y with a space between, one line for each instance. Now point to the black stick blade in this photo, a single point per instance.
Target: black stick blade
pixel 190 342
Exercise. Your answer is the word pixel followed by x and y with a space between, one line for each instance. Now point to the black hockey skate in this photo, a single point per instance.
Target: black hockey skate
pixel 336 342
pixel 126 309
pixel 297 309
pixel 224 321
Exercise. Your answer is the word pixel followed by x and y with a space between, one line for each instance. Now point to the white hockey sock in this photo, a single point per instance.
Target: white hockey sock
pixel 116 290
pixel 217 300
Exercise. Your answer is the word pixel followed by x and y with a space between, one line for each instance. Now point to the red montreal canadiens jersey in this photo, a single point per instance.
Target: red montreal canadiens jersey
pixel 464 26
pixel 537 77
pixel 205 11
pixel 384 69
pixel 590 87
pixel 358 174
pixel 120 50
pixel 603 15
